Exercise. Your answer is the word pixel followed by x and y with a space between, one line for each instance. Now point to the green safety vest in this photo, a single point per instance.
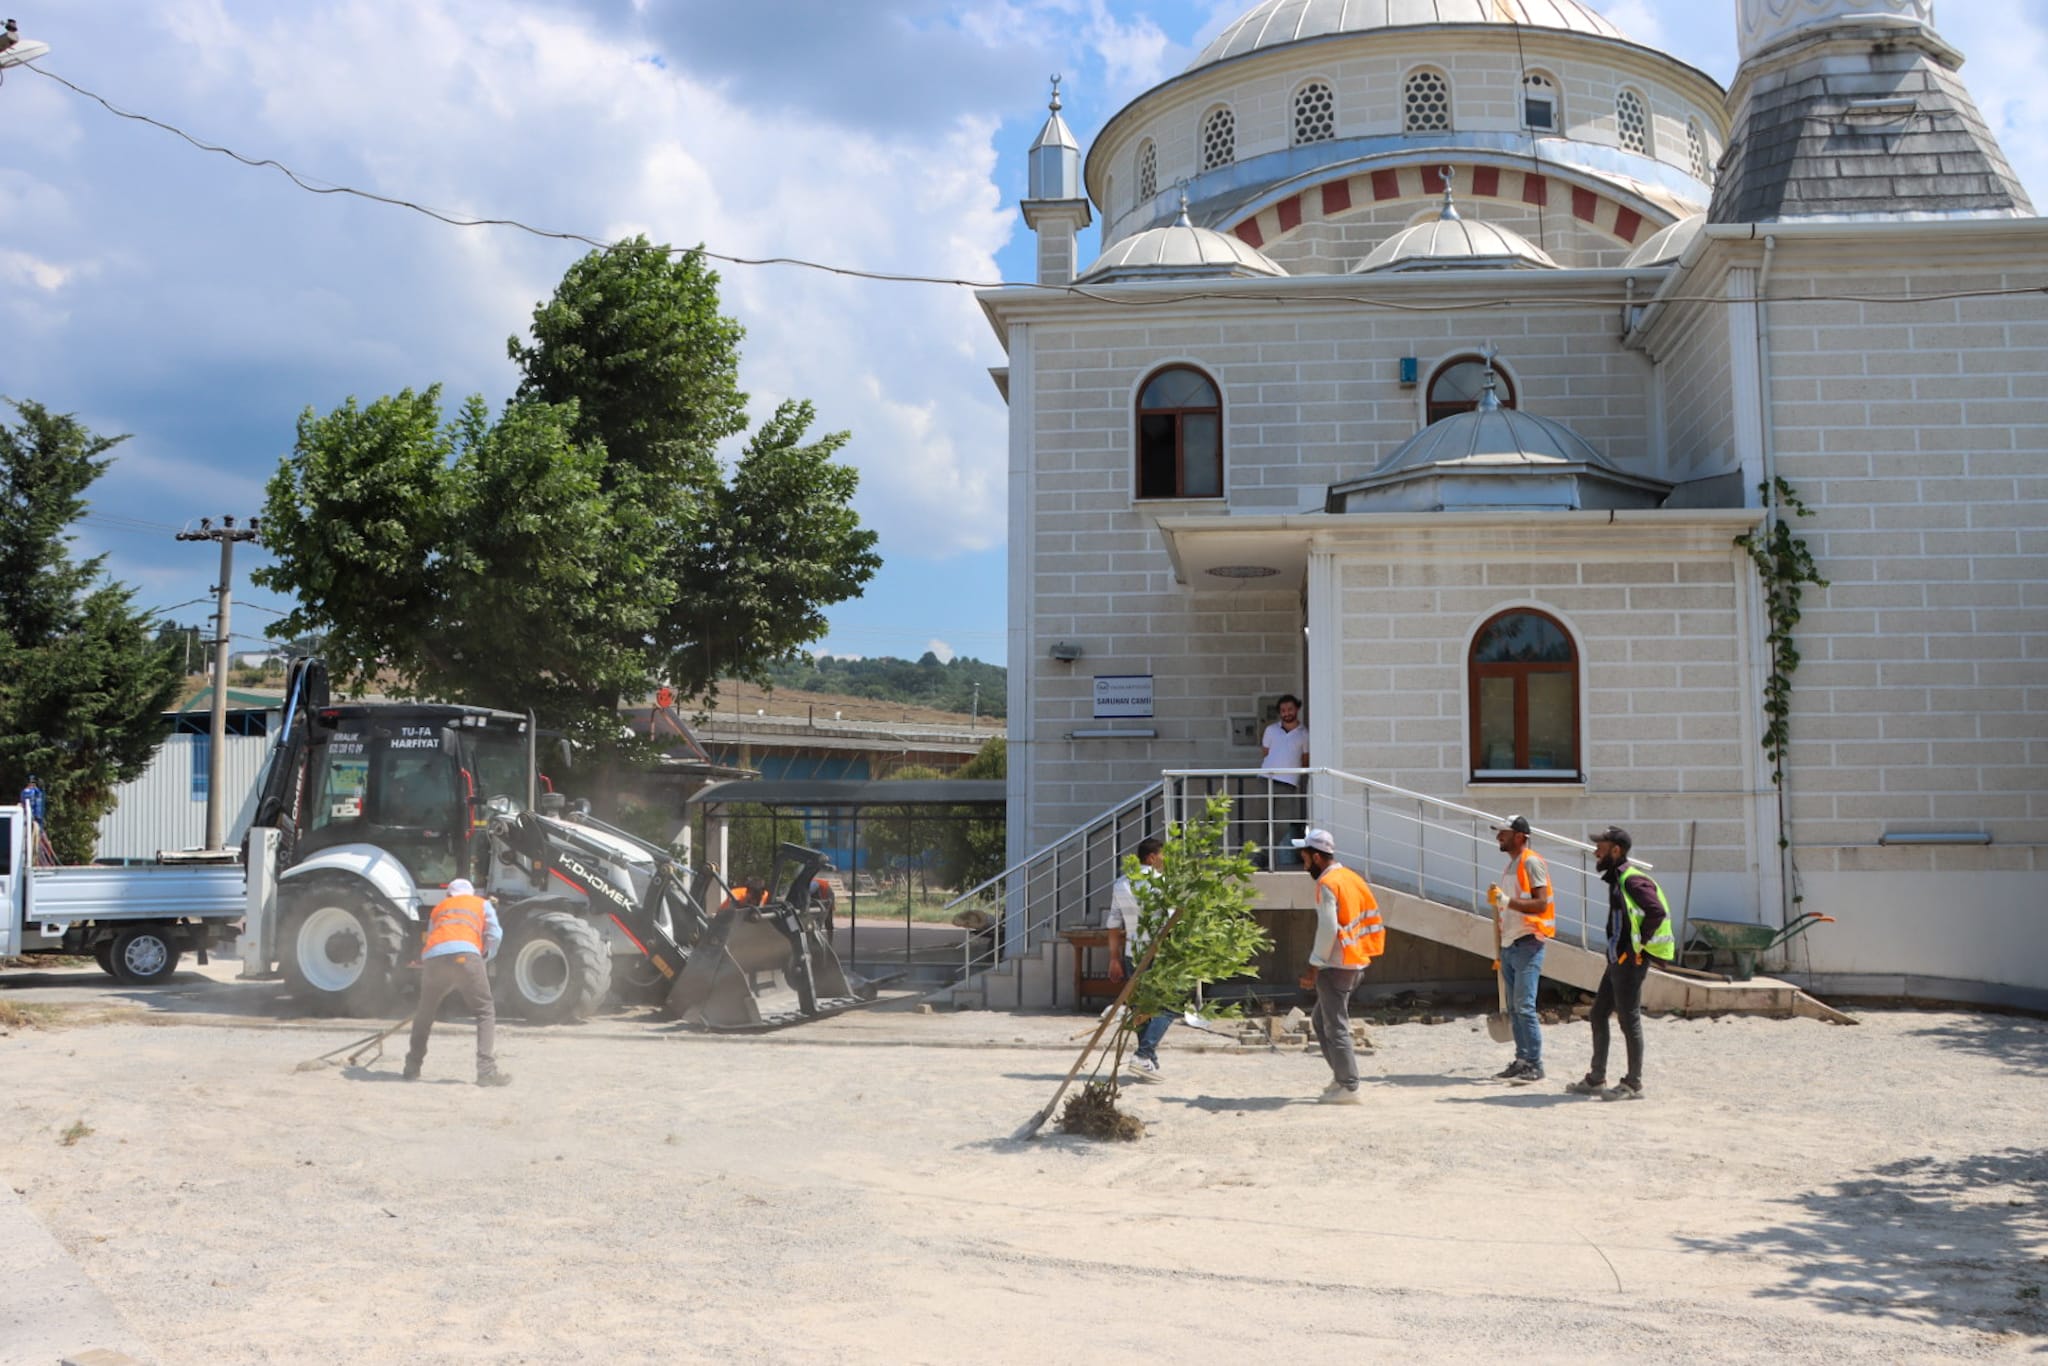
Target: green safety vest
pixel 1664 945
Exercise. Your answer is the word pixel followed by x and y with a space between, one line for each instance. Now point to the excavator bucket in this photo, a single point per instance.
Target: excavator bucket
pixel 768 965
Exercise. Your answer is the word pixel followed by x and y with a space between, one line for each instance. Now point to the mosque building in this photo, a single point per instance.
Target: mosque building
pixel 1439 356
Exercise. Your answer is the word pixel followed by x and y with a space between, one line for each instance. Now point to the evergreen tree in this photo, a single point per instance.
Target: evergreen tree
pixel 84 680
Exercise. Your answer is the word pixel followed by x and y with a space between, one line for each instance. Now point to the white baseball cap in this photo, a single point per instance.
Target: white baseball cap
pixel 461 887
pixel 1318 840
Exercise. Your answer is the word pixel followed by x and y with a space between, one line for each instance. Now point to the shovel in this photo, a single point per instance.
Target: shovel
pixel 1498 1027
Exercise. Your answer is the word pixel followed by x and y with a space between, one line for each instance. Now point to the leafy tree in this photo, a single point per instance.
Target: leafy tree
pixel 588 543
pixel 84 678
pixel 973 845
pixel 913 834
pixel 1213 939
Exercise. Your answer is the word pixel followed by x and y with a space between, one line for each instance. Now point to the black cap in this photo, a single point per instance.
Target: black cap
pixel 1518 824
pixel 1614 834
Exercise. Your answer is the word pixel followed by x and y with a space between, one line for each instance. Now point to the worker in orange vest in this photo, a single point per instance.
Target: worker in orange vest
pixel 462 935
pixel 1528 922
pixel 1349 933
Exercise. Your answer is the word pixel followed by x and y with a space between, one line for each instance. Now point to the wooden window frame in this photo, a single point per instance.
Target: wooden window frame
pixel 1520 672
pixel 1180 450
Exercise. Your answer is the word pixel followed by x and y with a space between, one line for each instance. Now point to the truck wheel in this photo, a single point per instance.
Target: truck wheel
pixel 103 954
pixel 142 956
pixel 555 968
pixel 343 952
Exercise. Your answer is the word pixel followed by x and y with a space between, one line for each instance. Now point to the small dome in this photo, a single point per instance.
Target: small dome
pixel 1493 436
pixel 1179 249
pixel 1667 245
pixel 1453 243
pixel 1277 22
pixel 1494 458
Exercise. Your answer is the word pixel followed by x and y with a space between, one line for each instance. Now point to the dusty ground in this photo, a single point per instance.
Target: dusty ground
pixel 847 1192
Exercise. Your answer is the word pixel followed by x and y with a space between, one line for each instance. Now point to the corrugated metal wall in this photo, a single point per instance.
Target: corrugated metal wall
pixel 166 807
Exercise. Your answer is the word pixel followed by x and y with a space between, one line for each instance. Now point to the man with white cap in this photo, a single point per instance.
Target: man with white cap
pixel 462 934
pixel 1348 933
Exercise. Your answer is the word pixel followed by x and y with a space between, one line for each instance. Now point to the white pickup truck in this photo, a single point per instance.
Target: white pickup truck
pixel 137 922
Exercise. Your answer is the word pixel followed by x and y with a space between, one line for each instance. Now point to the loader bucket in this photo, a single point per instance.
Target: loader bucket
pixel 764 967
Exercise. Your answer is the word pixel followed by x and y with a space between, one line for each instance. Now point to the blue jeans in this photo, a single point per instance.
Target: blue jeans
pixel 1153 1030
pixel 1522 964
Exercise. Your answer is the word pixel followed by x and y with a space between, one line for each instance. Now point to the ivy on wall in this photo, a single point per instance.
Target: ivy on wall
pixel 1786 566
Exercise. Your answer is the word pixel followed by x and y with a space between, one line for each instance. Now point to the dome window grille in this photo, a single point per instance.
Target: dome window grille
pixel 1631 123
pixel 1148 170
pixel 1427 103
pixel 1539 103
pixel 1219 139
pixel 1696 152
pixel 1315 113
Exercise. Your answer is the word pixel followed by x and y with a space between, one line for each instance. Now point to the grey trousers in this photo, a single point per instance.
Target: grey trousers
pixel 1333 1022
pixel 460 974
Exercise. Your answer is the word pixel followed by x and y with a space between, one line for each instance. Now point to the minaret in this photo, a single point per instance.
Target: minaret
pixel 1055 208
pixel 1851 109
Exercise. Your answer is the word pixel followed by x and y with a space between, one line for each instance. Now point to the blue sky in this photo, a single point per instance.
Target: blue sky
pixel 201 305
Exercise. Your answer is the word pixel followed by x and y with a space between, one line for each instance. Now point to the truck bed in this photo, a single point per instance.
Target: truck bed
pixel 63 895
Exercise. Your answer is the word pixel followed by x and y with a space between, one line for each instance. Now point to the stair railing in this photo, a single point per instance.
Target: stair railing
pixel 1057 888
pixel 1439 850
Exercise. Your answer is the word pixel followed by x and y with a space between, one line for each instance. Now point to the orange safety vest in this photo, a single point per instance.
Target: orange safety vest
pixel 1361 934
pixel 1543 925
pixel 458 919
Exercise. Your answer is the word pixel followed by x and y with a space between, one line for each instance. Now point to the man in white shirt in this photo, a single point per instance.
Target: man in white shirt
pixel 1283 747
pixel 1127 943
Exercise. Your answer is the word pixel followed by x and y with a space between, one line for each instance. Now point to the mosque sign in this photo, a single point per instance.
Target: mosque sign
pixel 1123 696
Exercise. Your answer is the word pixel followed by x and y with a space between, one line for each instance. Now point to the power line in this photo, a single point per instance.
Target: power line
pixel 1072 290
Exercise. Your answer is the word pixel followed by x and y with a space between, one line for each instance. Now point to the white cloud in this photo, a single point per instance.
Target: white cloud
pixel 941 649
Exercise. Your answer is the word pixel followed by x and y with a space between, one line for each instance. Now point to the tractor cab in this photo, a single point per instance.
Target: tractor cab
pixel 413 780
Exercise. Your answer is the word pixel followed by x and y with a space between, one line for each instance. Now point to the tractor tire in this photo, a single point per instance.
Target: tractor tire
pixel 142 956
pixel 103 954
pixel 554 967
pixel 343 951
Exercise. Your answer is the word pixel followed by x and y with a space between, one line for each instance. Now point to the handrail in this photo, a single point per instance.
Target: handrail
pixel 1391 791
pixel 1086 827
pixel 1018 889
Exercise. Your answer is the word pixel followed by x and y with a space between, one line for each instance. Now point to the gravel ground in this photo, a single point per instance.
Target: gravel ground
pixel 848 1192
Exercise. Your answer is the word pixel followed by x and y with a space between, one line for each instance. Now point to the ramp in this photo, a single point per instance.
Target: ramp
pixel 1563 961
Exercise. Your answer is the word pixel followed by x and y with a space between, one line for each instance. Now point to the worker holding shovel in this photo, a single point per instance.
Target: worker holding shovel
pixel 1638 930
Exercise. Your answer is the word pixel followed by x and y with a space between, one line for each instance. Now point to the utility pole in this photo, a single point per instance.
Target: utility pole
pixel 974 722
pixel 227 534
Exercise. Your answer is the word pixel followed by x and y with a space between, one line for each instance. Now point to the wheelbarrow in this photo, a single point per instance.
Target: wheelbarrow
pixel 1743 942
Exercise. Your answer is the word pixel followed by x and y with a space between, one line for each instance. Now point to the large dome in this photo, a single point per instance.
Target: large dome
pixel 1276 22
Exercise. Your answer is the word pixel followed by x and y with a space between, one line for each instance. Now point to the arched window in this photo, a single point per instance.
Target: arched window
pixel 1696 152
pixel 1148 170
pixel 1315 113
pixel 1180 436
pixel 1426 102
pixel 1539 103
pixel 1219 138
pixel 1456 387
pixel 1524 686
pixel 1632 122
